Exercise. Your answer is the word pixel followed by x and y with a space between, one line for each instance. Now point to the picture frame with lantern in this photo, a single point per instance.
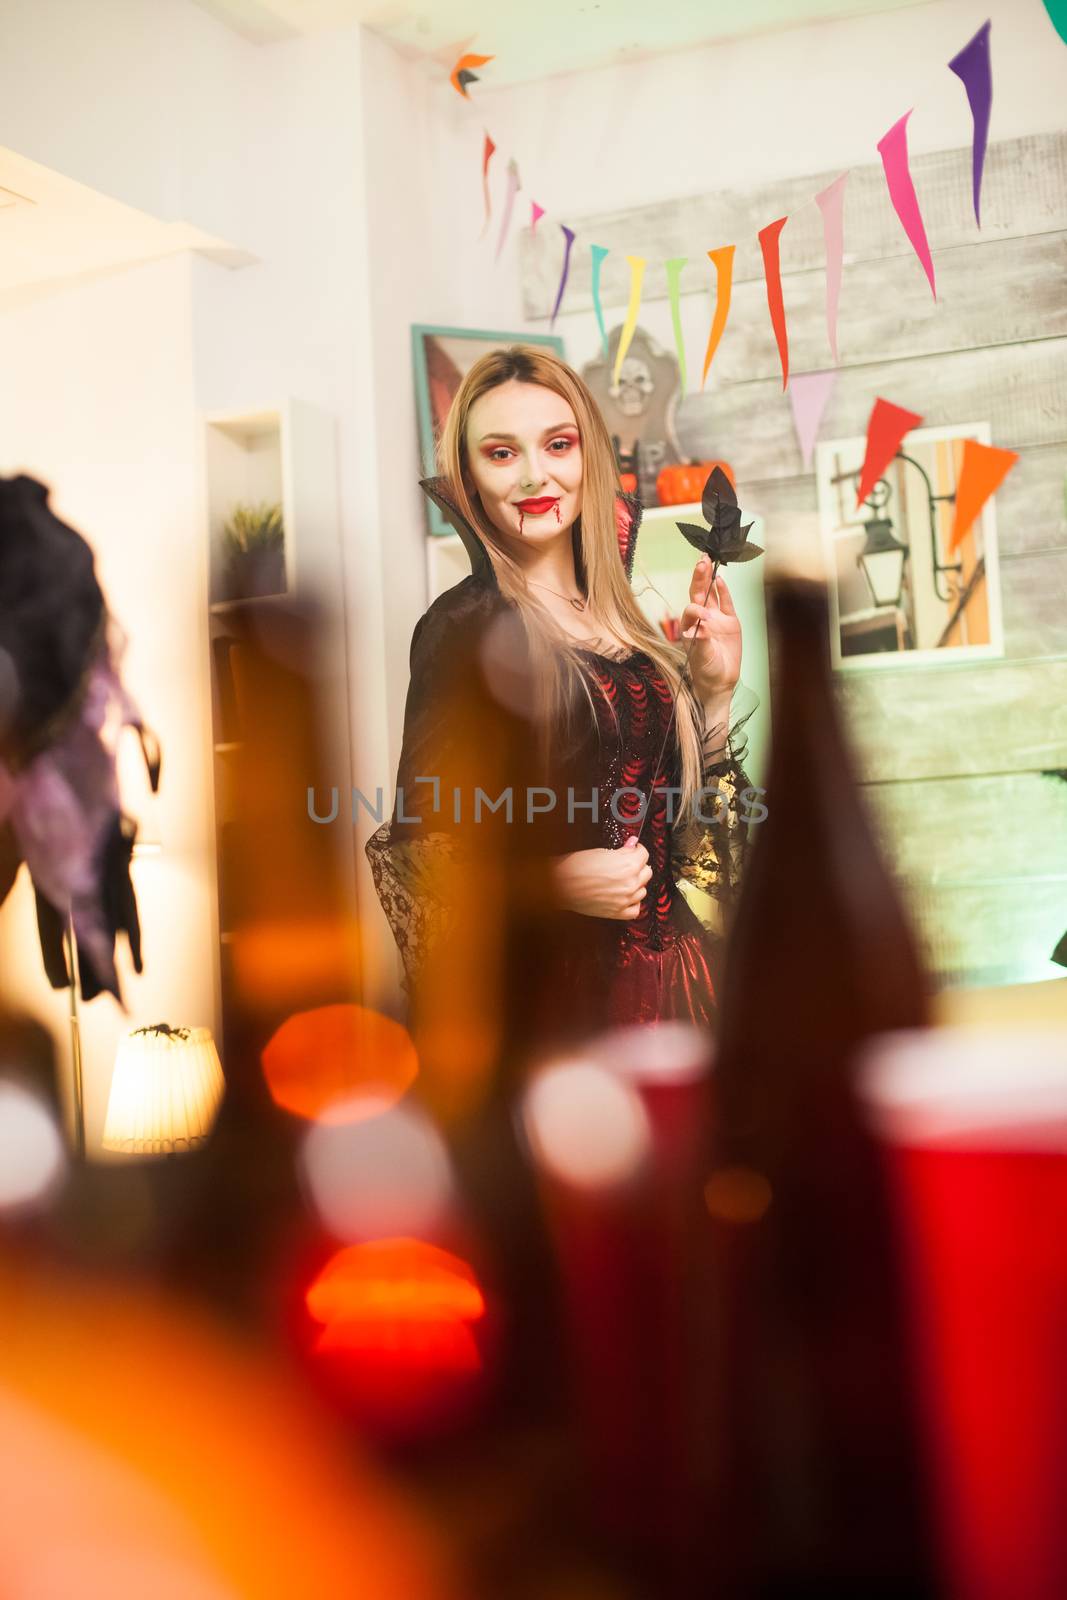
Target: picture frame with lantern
pixel 899 595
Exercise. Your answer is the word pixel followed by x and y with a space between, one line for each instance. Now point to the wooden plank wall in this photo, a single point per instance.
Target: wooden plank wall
pixel 957 759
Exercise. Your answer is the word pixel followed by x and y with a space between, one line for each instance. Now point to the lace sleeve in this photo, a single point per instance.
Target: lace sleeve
pixel 411 880
pixel 448 748
pixel 710 846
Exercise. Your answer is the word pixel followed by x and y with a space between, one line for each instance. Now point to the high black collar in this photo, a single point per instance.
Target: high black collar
pixel 441 493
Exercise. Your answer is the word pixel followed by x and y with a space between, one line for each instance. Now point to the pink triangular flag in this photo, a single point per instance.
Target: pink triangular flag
pixel 808 395
pixel 514 185
pixel 831 202
pixel 536 213
pixel 893 149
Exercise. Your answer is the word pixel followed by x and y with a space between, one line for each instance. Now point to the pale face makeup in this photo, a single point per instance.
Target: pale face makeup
pixel 524 456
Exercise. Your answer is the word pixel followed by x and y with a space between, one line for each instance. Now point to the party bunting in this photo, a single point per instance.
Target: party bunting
pixel 885 430
pixel 637 273
pixel 768 243
pixel 831 202
pixel 514 186
pixel 1057 15
pixel 487 156
pixel 598 252
pixel 673 269
pixel 461 75
pixel 972 66
pixel 809 393
pixel 982 471
pixel 568 234
pixel 893 149
pixel 723 262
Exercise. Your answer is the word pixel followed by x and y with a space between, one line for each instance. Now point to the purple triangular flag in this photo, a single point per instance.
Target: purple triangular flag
pixel 973 68
pixel 568 234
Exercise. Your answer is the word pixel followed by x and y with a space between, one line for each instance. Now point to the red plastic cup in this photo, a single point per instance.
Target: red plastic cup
pixel 615 1174
pixel 668 1063
pixel 974 1125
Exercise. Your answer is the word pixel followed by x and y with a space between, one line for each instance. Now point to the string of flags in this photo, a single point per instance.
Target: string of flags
pixel 808 392
pixel 983 467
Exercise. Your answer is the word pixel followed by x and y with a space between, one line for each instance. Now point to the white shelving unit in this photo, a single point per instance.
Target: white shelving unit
pixel 281 454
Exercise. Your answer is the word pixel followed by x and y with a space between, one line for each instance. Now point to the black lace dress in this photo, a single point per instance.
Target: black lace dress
pixel 565 974
pixel 664 963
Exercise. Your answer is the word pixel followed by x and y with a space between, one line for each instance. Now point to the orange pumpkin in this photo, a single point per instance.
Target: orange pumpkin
pixel 682 484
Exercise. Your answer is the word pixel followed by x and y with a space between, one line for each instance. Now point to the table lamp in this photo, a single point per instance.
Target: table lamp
pixel 165 1092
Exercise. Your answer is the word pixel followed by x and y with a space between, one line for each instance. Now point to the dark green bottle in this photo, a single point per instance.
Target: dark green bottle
pixel 810 1445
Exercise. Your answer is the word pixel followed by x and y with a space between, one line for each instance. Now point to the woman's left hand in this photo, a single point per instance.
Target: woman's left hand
pixel 714 627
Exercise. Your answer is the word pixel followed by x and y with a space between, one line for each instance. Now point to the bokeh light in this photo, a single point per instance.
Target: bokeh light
pixel 585 1125
pixel 395 1324
pixel 318 1059
pixel 281 961
pixel 372 1169
pixel 32 1153
pixel 737 1194
pixel 152 1446
pixel 667 1052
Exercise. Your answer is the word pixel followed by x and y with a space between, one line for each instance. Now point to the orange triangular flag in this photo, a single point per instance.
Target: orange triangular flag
pixel 982 472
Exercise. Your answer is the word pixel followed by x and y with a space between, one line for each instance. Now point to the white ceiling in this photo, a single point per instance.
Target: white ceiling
pixel 53 229
pixel 535 38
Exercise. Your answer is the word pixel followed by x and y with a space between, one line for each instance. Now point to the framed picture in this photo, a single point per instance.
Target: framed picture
pixel 443 357
pixel 898 594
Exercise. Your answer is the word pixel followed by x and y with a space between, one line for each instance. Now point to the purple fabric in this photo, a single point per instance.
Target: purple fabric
pixel 61 806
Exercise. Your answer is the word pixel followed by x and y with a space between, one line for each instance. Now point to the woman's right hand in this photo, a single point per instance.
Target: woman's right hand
pixel 603 883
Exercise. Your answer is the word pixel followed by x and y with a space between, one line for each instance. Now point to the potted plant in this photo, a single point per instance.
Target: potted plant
pixel 253 540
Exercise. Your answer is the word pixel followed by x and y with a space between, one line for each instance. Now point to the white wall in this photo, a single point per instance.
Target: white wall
pixel 144 100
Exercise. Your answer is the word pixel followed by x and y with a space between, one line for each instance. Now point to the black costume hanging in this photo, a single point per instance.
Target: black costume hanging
pixel 60 692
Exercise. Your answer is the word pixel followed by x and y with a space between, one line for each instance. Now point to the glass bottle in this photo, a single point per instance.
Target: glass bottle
pixel 815 1474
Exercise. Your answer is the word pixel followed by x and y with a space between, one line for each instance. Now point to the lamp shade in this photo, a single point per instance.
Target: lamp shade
pixel 165 1092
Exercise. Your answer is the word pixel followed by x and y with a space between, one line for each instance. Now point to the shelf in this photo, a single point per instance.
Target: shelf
pixel 220 607
pixel 283 454
pixel 246 427
pixel 244 467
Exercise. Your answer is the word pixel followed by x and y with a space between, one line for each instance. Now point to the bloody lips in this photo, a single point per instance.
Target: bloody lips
pixel 534 508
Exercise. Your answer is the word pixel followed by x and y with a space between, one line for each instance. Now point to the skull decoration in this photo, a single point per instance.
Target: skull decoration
pixel 639 407
pixel 633 388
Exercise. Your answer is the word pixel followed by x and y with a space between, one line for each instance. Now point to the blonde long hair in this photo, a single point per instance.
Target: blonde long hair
pixel 557 667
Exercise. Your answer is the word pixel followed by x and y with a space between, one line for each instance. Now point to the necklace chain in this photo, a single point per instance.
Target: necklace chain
pixel 578 604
